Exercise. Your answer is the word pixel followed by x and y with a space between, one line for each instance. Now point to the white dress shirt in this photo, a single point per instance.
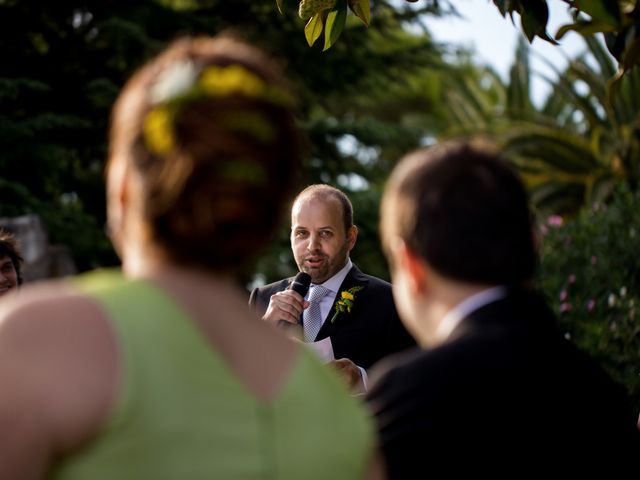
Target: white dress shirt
pixel 333 285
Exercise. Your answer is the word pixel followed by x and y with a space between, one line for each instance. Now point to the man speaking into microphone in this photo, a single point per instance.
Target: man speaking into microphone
pixel 346 311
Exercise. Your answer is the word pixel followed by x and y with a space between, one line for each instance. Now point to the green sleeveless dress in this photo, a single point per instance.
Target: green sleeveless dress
pixel 182 414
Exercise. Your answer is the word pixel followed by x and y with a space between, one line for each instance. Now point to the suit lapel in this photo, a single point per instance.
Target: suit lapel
pixel 354 278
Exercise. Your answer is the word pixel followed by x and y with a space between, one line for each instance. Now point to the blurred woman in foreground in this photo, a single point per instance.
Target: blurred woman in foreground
pixel 161 371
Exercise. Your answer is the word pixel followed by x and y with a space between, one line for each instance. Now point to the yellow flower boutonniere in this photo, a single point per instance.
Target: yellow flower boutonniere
pixel 345 303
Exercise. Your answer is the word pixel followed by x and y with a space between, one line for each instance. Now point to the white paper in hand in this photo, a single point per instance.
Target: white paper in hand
pixel 323 349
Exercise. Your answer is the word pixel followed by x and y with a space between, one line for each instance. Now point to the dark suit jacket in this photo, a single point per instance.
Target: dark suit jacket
pixel 506 395
pixel 371 331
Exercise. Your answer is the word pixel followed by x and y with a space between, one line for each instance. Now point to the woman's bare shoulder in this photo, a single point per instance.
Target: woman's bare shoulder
pixel 58 356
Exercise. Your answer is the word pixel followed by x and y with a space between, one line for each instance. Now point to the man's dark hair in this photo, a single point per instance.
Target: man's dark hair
pixel 327 191
pixel 9 248
pixel 464 211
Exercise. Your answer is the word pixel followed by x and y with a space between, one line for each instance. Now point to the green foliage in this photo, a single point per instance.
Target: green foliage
pixel 366 104
pixel 313 28
pixel 588 143
pixel 591 274
pixel 330 15
pixel 573 149
pixel 336 20
pixel 368 252
pixel 617 20
pixel 65 62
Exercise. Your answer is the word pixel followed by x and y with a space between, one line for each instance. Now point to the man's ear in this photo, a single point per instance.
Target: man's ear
pixel 118 196
pixel 352 236
pixel 412 265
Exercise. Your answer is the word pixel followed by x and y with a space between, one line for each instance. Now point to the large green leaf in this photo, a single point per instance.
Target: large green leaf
pixel 533 18
pixel 362 10
pixel 335 24
pixel 504 6
pixel 313 28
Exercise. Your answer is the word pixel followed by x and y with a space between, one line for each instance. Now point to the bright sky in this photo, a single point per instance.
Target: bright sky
pixel 494 38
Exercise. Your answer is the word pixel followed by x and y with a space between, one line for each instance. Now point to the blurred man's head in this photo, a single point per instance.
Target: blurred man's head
pixel 10 263
pixel 463 213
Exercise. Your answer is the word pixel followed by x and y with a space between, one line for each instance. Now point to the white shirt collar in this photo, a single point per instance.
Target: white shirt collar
pixel 466 307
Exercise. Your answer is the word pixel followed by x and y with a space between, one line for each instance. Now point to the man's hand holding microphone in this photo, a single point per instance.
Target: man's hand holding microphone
pixel 285 307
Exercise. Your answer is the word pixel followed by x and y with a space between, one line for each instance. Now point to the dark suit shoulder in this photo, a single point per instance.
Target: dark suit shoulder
pixel 401 376
pixel 378 285
pixel 274 287
pixel 373 286
pixel 501 386
pixel 357 275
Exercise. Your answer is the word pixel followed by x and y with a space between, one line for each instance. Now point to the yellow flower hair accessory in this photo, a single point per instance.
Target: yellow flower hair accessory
pixel 234 79
pixel 158 131
pixel 345 304
pixel 183 82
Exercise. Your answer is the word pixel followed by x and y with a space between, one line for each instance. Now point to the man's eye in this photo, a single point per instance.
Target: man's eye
pixel 325 234
pixel 300 234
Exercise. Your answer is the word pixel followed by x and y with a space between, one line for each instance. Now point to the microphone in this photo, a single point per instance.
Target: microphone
pixel 300 285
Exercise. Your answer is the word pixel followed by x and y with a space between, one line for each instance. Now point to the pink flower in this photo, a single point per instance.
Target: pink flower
pixel 591 304
pixel 563 295
pixel 572 279
pixel 565 307
pixel 594 259
pixel 555 221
